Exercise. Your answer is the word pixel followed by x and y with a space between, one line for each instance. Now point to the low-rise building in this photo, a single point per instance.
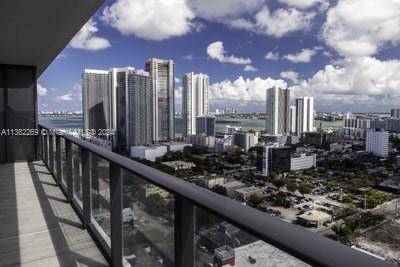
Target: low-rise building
pixel 231 129
pixel 179 165
pixel 258 253
pixel 230 187
pixel 313 218
pixel 209 181
pixel 281 139
pixel 202 140
pixel 391 185
pixel 222 143
pixel 147 190
pixel 315 139
pixel 340 147
pixel 275 159
pixel 175 146
pixel 148 152
pixel 104 143
pixel 302 161
pixel 243 194
pixel 224 256
pixel 245 140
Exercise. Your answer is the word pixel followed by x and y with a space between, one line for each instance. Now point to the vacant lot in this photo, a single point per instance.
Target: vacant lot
pixel 383 241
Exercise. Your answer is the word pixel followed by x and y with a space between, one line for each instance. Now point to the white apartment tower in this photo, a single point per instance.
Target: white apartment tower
pixel 377 142
pixel 305 115
pixel 163 82
pixel 194 100
pixel 277 111
pixel 292 119
pixel 120 99
pixel 132 108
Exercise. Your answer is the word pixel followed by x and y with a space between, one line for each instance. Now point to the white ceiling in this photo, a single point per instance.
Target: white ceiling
pixel 34 32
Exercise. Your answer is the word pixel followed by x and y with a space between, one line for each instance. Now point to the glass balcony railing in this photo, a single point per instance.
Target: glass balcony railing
pixel 140 216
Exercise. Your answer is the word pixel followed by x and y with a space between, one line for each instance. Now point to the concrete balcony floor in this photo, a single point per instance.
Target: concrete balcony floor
pixel 38 227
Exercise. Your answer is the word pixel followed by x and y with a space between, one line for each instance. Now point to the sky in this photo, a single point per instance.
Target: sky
pixel 344 53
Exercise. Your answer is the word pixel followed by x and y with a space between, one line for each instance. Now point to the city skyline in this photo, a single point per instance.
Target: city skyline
pixel 346 63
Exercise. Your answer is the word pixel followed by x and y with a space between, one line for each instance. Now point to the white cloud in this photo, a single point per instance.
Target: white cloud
pixel 87 40
pixel 151 19
pixel 365 82
pixel 41 90
pixel 303 56
pixel 243 90
pixel 74 94
pixel 362 27
pixel 272 56
pixel 177 80
pixel 250 68
pixel 243 24
pixel 223 9
pixel 217 51
pixel 66 97
pixel 278 23
pixel 290 75
pixel 282 21
pixel 188 57
pixel 303 4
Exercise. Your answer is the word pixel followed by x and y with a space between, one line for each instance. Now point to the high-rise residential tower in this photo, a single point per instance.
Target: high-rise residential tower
pixel 395 113
pixel 277 113
pixel 162 73
pixel 377 142
pixel 96 100
pixel 194 100
pixel 292 119
pixel 305 115
pixel 120 99
pixel 132 107
pixel 205 125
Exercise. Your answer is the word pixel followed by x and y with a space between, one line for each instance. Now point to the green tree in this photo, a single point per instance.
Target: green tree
pixel 291 186
pixel 347 231
pixel 304 189
pixel 254 200
pixel 279 182
pixel 219 190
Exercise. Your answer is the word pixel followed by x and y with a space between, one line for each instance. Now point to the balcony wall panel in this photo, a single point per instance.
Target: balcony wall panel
pixel 2 114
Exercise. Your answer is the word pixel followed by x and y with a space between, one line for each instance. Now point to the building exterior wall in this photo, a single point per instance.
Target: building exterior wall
pixel 378 142
pixel 149 153
pixel 205 125
pixel 277 111
pixel 302 162
pixel 194 100
pixel 304 115
pixel 163 83
pixel 395 113
pixel 392 125
pixel 96 100
pixel 140 109
pixel 292 119
pixel 275 159
pixel 244 140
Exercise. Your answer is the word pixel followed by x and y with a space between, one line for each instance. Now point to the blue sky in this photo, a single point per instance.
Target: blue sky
pixel 345 53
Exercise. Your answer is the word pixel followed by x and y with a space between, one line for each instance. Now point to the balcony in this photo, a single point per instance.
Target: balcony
pixel 82 199
pixel 38 225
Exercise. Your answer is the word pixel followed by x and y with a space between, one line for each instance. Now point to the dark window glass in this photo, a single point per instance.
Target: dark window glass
pixel 21 112
pixel 2 137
